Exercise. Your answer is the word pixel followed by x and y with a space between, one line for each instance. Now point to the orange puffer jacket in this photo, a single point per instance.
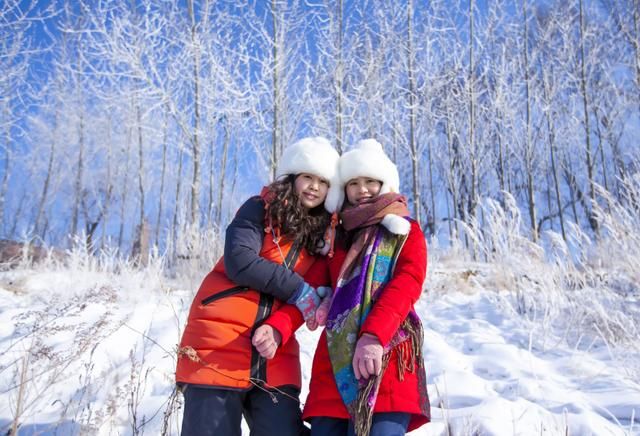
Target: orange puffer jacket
pixel 216 349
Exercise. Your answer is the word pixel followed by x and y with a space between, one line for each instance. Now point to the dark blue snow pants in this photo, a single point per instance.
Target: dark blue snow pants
pixel 218 412
pixel 383 424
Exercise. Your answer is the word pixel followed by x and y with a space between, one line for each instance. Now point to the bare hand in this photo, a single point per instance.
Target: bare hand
pixel 266 339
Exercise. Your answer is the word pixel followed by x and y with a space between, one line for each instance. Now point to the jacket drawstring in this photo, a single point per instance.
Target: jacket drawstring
pixel 332 233
pixel 267 196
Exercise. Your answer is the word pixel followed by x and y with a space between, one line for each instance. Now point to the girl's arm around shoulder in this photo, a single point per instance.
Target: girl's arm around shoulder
pixel 242 261
pixel 287 319
pixel 402 291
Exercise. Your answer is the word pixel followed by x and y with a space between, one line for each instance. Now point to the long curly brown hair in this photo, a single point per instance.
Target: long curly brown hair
pixel 308 226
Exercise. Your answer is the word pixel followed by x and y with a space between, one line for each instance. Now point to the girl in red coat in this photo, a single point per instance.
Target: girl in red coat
pixel 368 372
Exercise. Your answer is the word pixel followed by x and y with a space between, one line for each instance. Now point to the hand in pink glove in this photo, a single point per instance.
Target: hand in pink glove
pixel 266 339
pixel 367 360
pixel 322 312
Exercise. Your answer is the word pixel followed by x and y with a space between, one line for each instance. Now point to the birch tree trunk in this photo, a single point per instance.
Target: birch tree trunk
pixel 339 77
pixel 195 184
pixel 210 206
pixel 587 132
pixel 47 179
pixel 125 188
pixel 79 175
pixel 600 147
pixel 552 155
pixel 176 207
pixel 275 129
pixel 636 43
pixel 163 169
pixel 7 170
pixel 140 166
pixel 453 153
pixel 109 183
pixel 413 146
pixel 501 160
pixel 529 158
pixel 472 200
pixel 223 167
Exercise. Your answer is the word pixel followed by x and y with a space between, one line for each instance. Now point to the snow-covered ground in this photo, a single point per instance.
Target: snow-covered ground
pixel 85 350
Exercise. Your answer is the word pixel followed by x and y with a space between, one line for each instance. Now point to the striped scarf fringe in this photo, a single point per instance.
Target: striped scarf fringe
pixel 409 357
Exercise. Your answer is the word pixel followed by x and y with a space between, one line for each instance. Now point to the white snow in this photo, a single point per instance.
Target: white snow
pixel 95 353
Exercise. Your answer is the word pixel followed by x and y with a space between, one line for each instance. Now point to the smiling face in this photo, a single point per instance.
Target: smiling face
pixel 311 190
pixel 362 188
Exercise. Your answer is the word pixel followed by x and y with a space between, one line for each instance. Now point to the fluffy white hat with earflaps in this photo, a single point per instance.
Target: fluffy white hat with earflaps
pixel 313 155
pixel 367 159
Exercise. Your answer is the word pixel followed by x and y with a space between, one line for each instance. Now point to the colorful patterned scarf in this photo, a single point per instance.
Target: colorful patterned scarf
pixel 368 267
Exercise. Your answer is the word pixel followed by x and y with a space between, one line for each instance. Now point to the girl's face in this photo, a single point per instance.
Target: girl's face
pixel 311 189
pixel 362 188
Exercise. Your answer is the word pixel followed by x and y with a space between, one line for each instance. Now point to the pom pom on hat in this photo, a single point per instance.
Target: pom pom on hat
pixel 335 196
pixel 396 224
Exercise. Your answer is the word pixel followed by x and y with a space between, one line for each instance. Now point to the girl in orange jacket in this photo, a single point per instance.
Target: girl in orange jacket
pixel 270 244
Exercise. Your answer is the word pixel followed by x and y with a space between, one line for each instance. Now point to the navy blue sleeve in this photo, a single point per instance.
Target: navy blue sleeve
pixel 242 261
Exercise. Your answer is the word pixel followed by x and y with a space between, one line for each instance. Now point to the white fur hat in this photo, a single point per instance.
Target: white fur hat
pixel 313 155
pixel 366 159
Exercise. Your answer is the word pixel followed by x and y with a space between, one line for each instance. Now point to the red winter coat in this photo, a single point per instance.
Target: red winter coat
pixel 384 319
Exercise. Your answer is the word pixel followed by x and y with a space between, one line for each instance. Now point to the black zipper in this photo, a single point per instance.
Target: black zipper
pixel 292 256
pixel 259 363
pixel 211 298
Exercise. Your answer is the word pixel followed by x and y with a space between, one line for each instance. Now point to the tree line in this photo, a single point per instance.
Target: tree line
pixel 124 117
